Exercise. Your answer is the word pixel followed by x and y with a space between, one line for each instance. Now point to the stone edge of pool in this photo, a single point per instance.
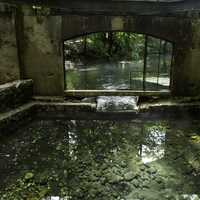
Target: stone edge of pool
pixel 67 110
pixel 18 106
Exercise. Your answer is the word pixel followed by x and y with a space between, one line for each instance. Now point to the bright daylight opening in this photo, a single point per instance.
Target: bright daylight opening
pixel 117 61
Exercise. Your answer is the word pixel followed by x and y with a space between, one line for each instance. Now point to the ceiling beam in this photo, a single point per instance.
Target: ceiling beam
pixel 117 7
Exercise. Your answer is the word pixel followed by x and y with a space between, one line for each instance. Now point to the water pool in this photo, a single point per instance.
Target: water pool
pixel 130 159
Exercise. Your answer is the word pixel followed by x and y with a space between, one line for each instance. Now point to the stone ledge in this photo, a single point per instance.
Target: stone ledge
pixel 94 93
pixel 14 94
pixel 11 120
pixel 15 118
pixel 59 110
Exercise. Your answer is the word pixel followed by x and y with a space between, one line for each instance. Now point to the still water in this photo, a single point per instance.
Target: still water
pixel 122 75
pixel 102 160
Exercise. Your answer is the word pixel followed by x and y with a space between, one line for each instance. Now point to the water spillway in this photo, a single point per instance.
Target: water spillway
pixel 117 103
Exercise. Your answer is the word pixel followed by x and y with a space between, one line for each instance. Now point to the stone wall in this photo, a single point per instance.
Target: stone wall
pixel 161 27
pixel 186 70
pixel 9 66
pixel 184 33
pixel 37 53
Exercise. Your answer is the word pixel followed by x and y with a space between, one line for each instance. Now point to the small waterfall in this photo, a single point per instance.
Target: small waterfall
pixel 117 103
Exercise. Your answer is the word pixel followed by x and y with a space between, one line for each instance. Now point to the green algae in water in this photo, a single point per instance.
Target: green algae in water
pixel 101 159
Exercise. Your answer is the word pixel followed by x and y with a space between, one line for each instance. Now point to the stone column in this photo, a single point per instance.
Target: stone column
pixel 186 66
pixel 43 55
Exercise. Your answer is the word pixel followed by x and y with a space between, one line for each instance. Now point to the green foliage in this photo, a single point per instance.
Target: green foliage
pixel 107 46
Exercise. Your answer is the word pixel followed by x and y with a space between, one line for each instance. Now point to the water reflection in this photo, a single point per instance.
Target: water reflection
pixel 100 159
pixel 154 147
pixel 113 76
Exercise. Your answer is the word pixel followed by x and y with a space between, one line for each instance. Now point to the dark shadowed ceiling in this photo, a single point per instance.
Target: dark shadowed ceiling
pixel 118 7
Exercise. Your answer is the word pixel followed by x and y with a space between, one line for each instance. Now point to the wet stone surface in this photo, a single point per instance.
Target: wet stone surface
pixel 101 159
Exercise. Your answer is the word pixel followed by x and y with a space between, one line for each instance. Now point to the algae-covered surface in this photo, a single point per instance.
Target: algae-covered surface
pixel 101 160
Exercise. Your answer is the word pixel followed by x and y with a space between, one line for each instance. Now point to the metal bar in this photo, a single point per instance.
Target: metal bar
pixel 145 62
pixel 171 67
pixel 130 79
pixel 85 77
pixel 159 56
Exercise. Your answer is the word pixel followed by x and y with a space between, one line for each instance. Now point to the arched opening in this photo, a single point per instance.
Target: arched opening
pixel 117 61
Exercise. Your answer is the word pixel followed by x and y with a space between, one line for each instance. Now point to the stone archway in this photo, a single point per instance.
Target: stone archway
pixel 77 25
pixel 183 32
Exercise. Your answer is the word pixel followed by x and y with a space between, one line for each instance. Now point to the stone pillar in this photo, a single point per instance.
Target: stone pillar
pixel 186 66
pixel 43 55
